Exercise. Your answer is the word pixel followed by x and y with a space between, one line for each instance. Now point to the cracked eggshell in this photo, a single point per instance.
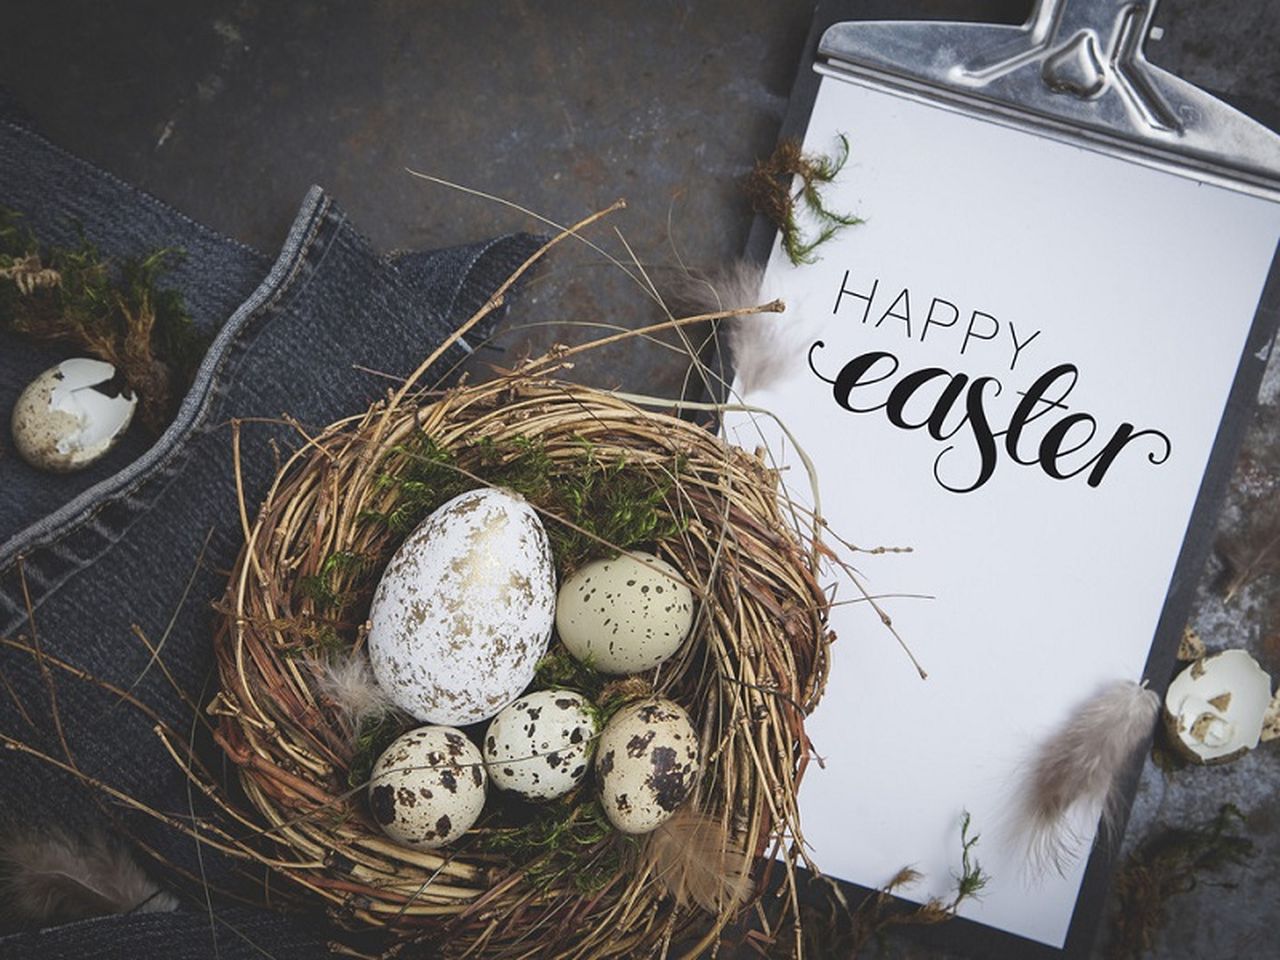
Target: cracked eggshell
pixel 540 746
pixel 1214 709
pixel 428 787
pixel 464 609
pixel 647 762
pixel 626 614
pixel 71 415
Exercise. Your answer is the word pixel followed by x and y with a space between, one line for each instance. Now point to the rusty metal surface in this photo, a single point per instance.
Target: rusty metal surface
pixel 229 109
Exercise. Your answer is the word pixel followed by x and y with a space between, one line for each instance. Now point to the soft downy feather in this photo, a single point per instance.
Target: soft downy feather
pixel 1076 773
pixel 761 345
pixel 50 876
pixel 348 683
pixel 693 858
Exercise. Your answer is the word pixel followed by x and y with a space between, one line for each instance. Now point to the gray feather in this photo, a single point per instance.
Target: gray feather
pixel 762 346
pixel 348 683
pixel 50 876
pixel 1077 773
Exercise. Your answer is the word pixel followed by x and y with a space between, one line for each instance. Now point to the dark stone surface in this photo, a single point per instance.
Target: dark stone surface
pixel 229 109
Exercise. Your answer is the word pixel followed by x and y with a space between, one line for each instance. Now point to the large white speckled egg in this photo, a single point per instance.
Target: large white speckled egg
pixel 464 609
pixel 540 746
pixel 626 614
pixel 647 762
pixel 428 787
pixel 71 415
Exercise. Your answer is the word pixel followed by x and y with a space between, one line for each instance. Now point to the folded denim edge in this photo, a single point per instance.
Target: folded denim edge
pixel 200 394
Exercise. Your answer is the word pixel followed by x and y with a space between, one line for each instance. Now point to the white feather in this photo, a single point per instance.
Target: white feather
pixel 762 346
pixel 51 876
pixel 1075 776
pixel 347 682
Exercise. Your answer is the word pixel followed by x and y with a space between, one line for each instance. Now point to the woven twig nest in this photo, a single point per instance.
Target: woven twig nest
pixel 752 668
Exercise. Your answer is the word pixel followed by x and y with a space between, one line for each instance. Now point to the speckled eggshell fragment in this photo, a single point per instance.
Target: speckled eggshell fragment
pixel 626 614
pixel 71 415
pixel 647 762
pixel 464 609
pixel 540 746
pixel 428 788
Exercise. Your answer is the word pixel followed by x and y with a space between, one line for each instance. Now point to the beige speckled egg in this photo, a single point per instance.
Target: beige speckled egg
pixel 647 762
pixel 540 746
pixel 71 415
pixel 626 614
pixel 428 787
pixel 464 609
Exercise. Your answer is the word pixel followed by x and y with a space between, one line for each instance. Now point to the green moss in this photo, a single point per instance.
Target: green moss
pixel 570 841
pixel 374 737
pixel 341 578
pixel 115 311
pixel 589 508
pixel 769 188
pixel 1168 862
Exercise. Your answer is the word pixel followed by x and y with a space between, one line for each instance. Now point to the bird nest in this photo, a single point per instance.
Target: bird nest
pixel 555 880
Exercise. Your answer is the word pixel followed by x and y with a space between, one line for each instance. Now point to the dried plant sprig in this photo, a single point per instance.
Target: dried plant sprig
pixel 844 932
pixel 117 312
pixel 1168 862
pixel 769 188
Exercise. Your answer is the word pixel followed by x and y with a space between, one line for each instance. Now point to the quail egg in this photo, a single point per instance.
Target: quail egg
pixel 647 762
pixel 540 746
pixel 428 787
pixel 626 614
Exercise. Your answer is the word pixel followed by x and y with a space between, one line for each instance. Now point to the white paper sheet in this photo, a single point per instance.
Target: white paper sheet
pixel 1045 254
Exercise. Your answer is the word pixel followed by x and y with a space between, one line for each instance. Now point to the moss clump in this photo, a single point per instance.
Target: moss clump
pixel 373 737
pixel 1167 863
pixel 571 840
pixel 770 192
pixel 117 312
pixel 591 507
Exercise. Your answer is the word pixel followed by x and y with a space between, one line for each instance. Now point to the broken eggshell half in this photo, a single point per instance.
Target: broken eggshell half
pixel 1214 709
pixel 71 415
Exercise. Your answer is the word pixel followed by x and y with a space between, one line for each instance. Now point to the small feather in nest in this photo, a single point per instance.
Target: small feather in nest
pixel 1077 772
pixel 692 856
pixel 347 682
pixel 762 346
pixel 51 876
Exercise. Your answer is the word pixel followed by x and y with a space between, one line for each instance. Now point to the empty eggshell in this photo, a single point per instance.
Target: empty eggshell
pixel 428 787
pixel 1216 708
pixel 71 415
pixel 464 609
pixel 540 746
pixel 626 614
pixel 647 762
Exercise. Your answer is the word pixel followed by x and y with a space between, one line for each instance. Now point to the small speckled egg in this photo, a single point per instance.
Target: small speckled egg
pixel 647 761
pixel 626 614
pixel 428 787
pixel 464 609
pixel 540 746
pixel 71 415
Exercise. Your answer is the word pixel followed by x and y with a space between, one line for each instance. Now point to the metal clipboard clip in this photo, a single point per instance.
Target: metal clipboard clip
pixel 1075 71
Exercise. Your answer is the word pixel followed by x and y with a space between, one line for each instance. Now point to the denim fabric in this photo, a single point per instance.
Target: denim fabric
pixel 59 196
pixel 145 547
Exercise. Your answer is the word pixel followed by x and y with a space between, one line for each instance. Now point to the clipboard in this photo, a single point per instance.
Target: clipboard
pixel 1094 242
